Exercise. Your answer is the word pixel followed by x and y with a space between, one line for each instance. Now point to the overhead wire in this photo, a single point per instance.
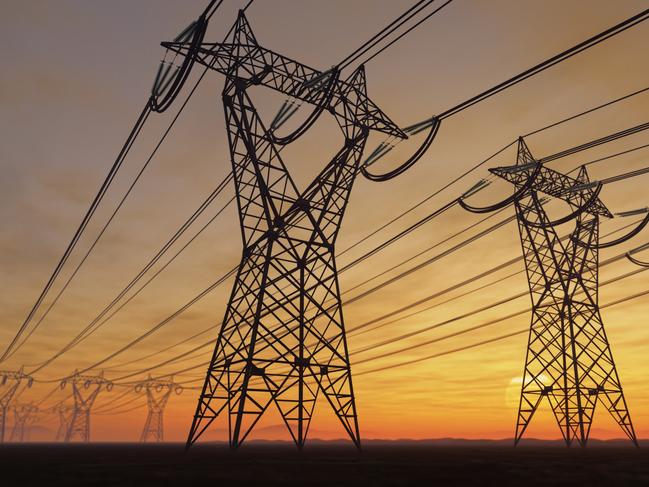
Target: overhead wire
pixel 96 323
pixel 112 173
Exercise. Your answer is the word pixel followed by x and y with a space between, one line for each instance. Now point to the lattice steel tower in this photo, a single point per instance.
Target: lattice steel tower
pixel 24 416
pixel 569 361
pixel 85 389
pixel 64 412
pixel 157 395
pixel 10 381
pixel 282 340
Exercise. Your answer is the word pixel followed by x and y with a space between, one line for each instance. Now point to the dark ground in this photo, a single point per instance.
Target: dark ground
pixel 323 464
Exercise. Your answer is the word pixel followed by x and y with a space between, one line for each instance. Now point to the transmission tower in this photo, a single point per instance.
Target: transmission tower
pixel 157 395
pixel 10 381
pixel 279 342
pixel 85 389
pixel 65 412
pixel 24 417
pixel 569 360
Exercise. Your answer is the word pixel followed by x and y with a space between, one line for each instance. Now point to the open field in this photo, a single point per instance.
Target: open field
pixel 325 464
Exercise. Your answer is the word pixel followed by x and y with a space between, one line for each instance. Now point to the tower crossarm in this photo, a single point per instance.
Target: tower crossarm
pixel 555 184
pixel 264 67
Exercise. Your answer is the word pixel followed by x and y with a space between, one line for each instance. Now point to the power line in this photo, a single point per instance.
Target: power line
pixel 491 340
pixel 379 36
pixel 390 241
pixel 94 324
pixel 568 53
pixel 89 215
pixel 586 112
pixel 135 131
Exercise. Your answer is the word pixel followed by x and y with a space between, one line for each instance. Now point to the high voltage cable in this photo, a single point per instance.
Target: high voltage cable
pixel 356 330
pixel 606 158
pixel 380 247
pixel 489 323
pixel 11 348
pixel 94 324
pixel 568 53
pixel 406 32
pixel 586 112
pixel 609 33
pixel 8 352
pixel 588 43
pixel 365 294
pixel 146 111
pixel 491 340
pixel 596 142
pixel 392 27
pixel 444 323
pixel 173 315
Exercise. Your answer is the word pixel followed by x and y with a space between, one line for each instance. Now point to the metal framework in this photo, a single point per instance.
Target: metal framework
pixel 10 381
pixel 157 395
pixel 279 342
pixel 85 389
pixel 65 412
pixel 24 417
pixel 569 361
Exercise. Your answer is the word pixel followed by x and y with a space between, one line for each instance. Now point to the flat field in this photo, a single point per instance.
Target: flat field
pixel 324 464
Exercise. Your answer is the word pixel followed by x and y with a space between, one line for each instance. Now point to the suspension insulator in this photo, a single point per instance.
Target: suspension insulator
pixel 517 196
pixel 170 79
pixel 618 241
pixel 636 261
pixel 433 123
pixel 574 214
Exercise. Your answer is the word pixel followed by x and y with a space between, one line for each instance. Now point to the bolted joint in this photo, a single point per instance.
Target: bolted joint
pixel 240 84
pixel 302 362
pixel 324 370
pixel 254 370
pixel 279 222
pixel 547 390
pixel 303 204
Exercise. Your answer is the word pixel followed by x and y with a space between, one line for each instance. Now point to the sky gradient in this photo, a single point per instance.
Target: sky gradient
pixel 75 76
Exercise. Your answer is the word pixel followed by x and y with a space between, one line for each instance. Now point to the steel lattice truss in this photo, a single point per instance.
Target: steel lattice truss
pixel 65 413
pixel 569 360
pixel 24 417
pixel 85 389
pixel 280 343
pixel 10 381
pixel 157 396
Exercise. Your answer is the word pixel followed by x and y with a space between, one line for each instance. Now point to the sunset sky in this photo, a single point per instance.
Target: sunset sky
pixel 76 74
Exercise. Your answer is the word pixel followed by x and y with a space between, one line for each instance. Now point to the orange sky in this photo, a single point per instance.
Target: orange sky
pixel 75 75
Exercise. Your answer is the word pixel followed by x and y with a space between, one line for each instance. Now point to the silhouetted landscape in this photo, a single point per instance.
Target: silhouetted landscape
pixel 381 463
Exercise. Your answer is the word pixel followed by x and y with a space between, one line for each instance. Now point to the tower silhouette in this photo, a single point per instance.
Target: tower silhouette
pixel 10 381
pixel 569 361
pixel 85 389
pixel 157 395
pixel 282 341
pixel 24 416
pixel 64 412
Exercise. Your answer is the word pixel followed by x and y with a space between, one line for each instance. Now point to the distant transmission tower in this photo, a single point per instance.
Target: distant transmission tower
pixel 85 389
pixel 157 396
pixel 9 383
pixel 65 413
pixel 569 361
pixel 24 417
pixel 282 341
